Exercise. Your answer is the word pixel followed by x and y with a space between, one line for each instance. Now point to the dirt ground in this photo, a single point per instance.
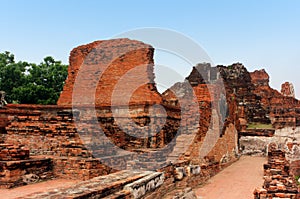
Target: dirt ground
pixel 38 187
pixel 237 181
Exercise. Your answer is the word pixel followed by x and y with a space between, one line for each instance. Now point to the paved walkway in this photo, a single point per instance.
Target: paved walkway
pixel 237 181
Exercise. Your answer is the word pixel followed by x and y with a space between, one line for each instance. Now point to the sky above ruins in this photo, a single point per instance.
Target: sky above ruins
pixel 257 33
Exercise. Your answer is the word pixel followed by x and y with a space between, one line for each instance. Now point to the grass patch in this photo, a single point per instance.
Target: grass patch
pixel 259 126
pixel 297 178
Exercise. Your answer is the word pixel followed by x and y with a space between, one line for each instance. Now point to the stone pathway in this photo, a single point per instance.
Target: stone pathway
pixel 237 181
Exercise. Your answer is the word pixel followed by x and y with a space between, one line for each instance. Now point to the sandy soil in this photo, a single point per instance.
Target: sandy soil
pixel 38 187
pixel 237 181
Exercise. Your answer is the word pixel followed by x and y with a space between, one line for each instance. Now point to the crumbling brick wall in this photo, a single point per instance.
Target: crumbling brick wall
pixel 215 137
pixel 237 81
pixel 100 76
pixel 278 180
pixel 45 130
pixel 284 110
pixel 108 62
pixel 72 136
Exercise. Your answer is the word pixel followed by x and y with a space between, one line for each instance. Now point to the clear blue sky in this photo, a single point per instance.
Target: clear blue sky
pixel 258 33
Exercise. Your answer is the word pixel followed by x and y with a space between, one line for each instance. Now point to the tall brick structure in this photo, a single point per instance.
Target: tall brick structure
pixel 185 135
pixel 103 68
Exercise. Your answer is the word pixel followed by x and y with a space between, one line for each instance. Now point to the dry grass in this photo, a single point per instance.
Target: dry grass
pixel 259 126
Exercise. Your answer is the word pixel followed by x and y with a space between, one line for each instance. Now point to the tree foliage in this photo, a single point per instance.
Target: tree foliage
pixel 29 83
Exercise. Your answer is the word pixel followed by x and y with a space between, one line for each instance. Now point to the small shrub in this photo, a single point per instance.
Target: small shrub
pixel 297 179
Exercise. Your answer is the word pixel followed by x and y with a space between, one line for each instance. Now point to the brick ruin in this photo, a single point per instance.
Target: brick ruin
pixel 287 89
pixel 111 124
pixel 108 62
pixel 278 181
pixel 283 112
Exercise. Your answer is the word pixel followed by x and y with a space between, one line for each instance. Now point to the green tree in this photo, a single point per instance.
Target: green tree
pixel 12 74
pixel 47 79
pixel 29 83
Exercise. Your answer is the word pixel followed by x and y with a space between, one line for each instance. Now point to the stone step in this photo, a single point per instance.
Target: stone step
pixel 100 187
pixel 15 173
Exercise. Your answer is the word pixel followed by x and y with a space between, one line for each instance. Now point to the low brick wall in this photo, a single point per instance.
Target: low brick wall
pixel 22 172
pixel 279 182
pixel 17 168
pixel 103 186
pixel 147 184
pixel 80 150
pixel 171 179
pixel 86 168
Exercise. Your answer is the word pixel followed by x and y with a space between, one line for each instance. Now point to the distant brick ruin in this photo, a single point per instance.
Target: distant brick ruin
pixel 111 125
pixel 287 89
